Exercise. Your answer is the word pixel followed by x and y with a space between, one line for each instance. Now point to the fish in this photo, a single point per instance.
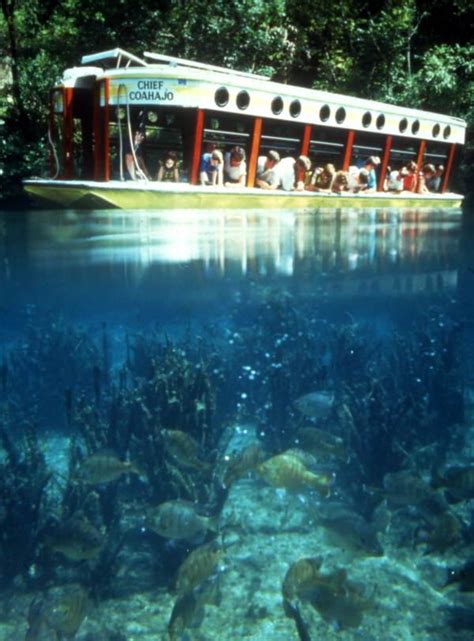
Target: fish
pixel 65 613
pixel 289 472
pixel 77 539
pixel 350 528
pixel 321 443
pixel 241 463
pixel 188 609
pixel 458 480
pixel 200 564
pixel 315 405
pixel 58 614
pixel 336 599
pixel 184 449
pixel 300 576
pixel 463 576
pixel 103 467
pixel 446 532
pixel 405 488
pixel 180 520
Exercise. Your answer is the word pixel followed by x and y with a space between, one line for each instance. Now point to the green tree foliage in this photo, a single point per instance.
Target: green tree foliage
pixel 411 52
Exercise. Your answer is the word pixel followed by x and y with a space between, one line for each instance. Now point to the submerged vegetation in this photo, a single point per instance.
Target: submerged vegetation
pixel 154 445
pixel 415 53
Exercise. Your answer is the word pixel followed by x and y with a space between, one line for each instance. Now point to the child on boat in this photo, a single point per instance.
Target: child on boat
pixel 211 170
pixel 168 170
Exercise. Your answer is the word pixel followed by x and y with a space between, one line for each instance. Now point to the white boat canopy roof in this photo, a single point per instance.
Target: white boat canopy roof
pixel 115 57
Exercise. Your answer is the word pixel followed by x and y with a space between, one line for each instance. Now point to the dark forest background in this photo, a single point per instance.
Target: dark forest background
pixel 417 53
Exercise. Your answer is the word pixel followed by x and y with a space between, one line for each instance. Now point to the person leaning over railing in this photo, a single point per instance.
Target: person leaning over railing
pixel 235 167
pixel 212 168
pixel 290 174
pixel 267 176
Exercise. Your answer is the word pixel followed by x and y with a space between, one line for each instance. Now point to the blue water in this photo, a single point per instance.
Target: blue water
pixel 247 311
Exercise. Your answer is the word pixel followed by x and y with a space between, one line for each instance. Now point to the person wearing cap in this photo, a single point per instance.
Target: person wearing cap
pixel 370 165
pixel 134 162
pixel 235 167
pixel 211 168
pixel 266 177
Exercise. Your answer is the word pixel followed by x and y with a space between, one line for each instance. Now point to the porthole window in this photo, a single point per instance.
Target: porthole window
pixel 295 108
pixel 380 122
pixel 436 131
pixel 415 128
pixel 446 132
pixel 243 100
pixel 221 96
pixel 403 126
pixel 324 113
pixel 366 119
pixel 340 115
pixel 215 124
pixel 277 105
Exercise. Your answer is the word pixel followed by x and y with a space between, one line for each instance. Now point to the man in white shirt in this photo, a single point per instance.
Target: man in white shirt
pixel 235 167
pixel 266 170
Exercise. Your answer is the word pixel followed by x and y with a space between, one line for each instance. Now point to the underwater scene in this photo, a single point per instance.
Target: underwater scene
pixel 237 425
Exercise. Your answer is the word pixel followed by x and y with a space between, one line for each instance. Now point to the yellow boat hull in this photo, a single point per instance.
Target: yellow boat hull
pixel 131 195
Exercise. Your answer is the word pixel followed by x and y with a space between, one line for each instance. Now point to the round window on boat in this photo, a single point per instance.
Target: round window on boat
pixel 403 126
pixel 436 131
pixel 446 132
pixel 221 96
pixel 340 115
pixel 295 108
pixel 215 124
pixel 243 99
pixel 324 113
pixel 366 119
pixel 380 122
pixel 415 128
pixel 277 105
pixel 152 117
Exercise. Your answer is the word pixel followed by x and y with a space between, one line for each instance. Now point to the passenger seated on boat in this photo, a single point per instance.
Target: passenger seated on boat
pixel 267 177
pixel 211 168
pixel 424 179
pixel 292 173
pixel 434 182
pixel 370 165
pixel 340 182
pixel 409 176
pixel 168 170
pixel 322 178
pixel 394 180
pixel 362 182
pixel 235 167
pixel 136 170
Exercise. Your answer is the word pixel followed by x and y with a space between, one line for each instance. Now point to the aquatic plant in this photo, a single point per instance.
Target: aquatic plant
pixel 43 372
pixel 24 477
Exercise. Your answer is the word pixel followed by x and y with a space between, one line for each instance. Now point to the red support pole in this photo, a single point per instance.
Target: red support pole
pixel 97 134
pixel 348 150
pixel 68 122
pixel 448 168
pixel 384 164
pixel 106 133
pixel 254 149
pixel 52 133
pixel 306 140
pixel 419 161
pixel 198 136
